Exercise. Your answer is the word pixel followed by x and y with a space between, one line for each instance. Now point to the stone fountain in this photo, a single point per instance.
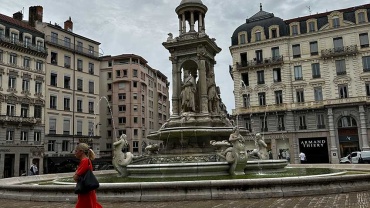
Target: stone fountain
pixel 198 139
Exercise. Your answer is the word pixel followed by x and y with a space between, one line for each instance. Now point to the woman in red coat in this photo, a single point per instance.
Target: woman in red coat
pixel 85 155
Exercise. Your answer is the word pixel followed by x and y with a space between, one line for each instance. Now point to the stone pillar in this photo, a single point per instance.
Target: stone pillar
pixel 203 86
pixel 175 89
pixel 333 143
pixel 2 163
pixel 274 149
pixel 192 21
pixel 16 164
pixel 200 22
pixel 363 129
pixel 180 26
pixel 183 23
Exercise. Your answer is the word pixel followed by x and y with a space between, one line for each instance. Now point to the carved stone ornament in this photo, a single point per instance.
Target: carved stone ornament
pixel 12 98
pixel 261 88
pixel 342 80
pixel 365 77
pixel 277 86
pixel 299 85
pixel 317 83
pixel 13 72
pixel 39 78
pixel 26 76
pixel 245 90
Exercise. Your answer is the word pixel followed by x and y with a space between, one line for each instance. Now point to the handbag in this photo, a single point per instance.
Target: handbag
pixel 87 182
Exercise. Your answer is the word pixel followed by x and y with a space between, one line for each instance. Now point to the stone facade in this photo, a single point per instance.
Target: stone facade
pixel 303 82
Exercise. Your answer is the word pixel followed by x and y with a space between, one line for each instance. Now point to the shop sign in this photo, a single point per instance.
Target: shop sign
pixel 313 143
pixel 351 138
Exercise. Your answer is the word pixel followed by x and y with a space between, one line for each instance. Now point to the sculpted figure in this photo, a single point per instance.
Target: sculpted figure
pixel 170 38
pixel 261 147
pixel 213 99
pixel 152 149
pixel 120 159
pixel 187 95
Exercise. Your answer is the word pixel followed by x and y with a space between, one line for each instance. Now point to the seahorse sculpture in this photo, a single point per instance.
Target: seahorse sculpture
pixel 120 159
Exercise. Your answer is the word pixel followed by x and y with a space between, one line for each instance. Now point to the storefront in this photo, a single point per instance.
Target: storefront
pixel 315 149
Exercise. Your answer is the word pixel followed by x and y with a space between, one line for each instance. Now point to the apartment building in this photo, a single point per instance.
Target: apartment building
pixel 304 82
pixel 72 93
pixel 137 101
pixel 22 96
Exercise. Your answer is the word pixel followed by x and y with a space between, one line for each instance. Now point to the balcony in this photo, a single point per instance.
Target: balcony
pixel 278 60
pixel 19 45
pixel 340 51
pixel 18 120
pixel 72 47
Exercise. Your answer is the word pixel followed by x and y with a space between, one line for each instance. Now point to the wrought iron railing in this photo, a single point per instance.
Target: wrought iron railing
pixel 264 62
pixel 23 44
pixel 339 51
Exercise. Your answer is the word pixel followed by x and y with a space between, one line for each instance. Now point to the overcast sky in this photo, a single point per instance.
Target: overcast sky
pixel 140 26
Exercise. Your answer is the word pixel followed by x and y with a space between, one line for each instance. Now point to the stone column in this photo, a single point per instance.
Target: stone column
pixel 180 26
pixel 183 23
pixel 192 21
pixel 2 163
pixel 200 22
pixel 203 86
pixel 274 149
pixel 175 89
pixel 333 143
pixel 16 164
pixel 363 129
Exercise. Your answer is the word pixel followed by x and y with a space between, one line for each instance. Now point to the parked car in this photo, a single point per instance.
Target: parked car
pixel 364 157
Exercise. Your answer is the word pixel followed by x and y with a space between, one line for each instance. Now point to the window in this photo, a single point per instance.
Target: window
pixel 135 146
pixel 38 87
pixel 361 17
pixel 109 98
pixel 10 135
pixel 316 70
pixel 259 57
pixel 122 108
pixel 24 110
pixel 109 86
pixel 54 37
pixel 91 68
pixel 67 42
pixel 91 107
pixel 54 58
pixel 300 96
pixel 338 44
pixel 109 121
pixel 278 97
pixel 135 120
pixel 91 49
pixel 14 37
pixel 275 53
pixel 67 104
pixel 343 91
pixel 79 127
pixel 336 23
pixel 246 100
pixel 51 145
pixel 296 51
pixel 302 122
pixel 37 136
pixel 40 45
pixel 121 120
pixel 79 85
pixel 67 62
pixel 65 146
pixel 135 73
pixel 281 125
pixel 79 65
pixel 314 48
pixel 10 110
pixel 1 55
pixel 262 98
pixel 66 126
pixel 118 73
pixel 122 96
pixel 277 75
pixel 347 121
pixel 125 72
pixel 248 124
pixel 25 85
pixel 134 84
pixel 311 26
pixel 318 93
pixel 91 128
pixel 243 60
pixel 12 82
pixel 52 125
pixel 260 77
pixel 367 87
pixel 263 124
pixel 364 40
pixel 110 63
pixel 39 65
pixel 366 63
pixel 79 46
pixel 67 82
pixel 274 33
pixel 91 87
pixel 242 39
pixel 294 29
pixel 109 75
pixel 320 121
pixel 26 62
pixel 109 133
pixel 53 79
pixel 135 96
pixel 245 77
pixel 298 73
pixel 108 146
pixel 258 35
pixel 136 132
pixel 135 108
pixel 13 59
pixel 79 105
pixel 53 101
pixel 37 111
pixel 340 67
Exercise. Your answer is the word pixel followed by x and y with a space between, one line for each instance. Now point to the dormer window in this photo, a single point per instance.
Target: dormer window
pixel 336 23
pixel 361 17
pixel 242 39
pixel 273 33
pixel 294 29
pixel 311 26
pixel 258 36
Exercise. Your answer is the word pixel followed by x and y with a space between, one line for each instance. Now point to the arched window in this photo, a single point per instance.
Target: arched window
pixel 258 35
pixel 347 121
pixel 336 23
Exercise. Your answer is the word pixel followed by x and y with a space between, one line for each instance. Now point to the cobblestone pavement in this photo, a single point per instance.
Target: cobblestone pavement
pixel 355 200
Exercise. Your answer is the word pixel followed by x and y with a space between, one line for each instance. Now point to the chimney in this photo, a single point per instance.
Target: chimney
pixel 68 25
pixel 35 14
pixel 18 16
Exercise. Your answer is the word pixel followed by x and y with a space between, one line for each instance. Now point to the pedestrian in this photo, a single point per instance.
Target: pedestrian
pixel 302 156
pixel 287 154
pixel 33 169
pixel 85 155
